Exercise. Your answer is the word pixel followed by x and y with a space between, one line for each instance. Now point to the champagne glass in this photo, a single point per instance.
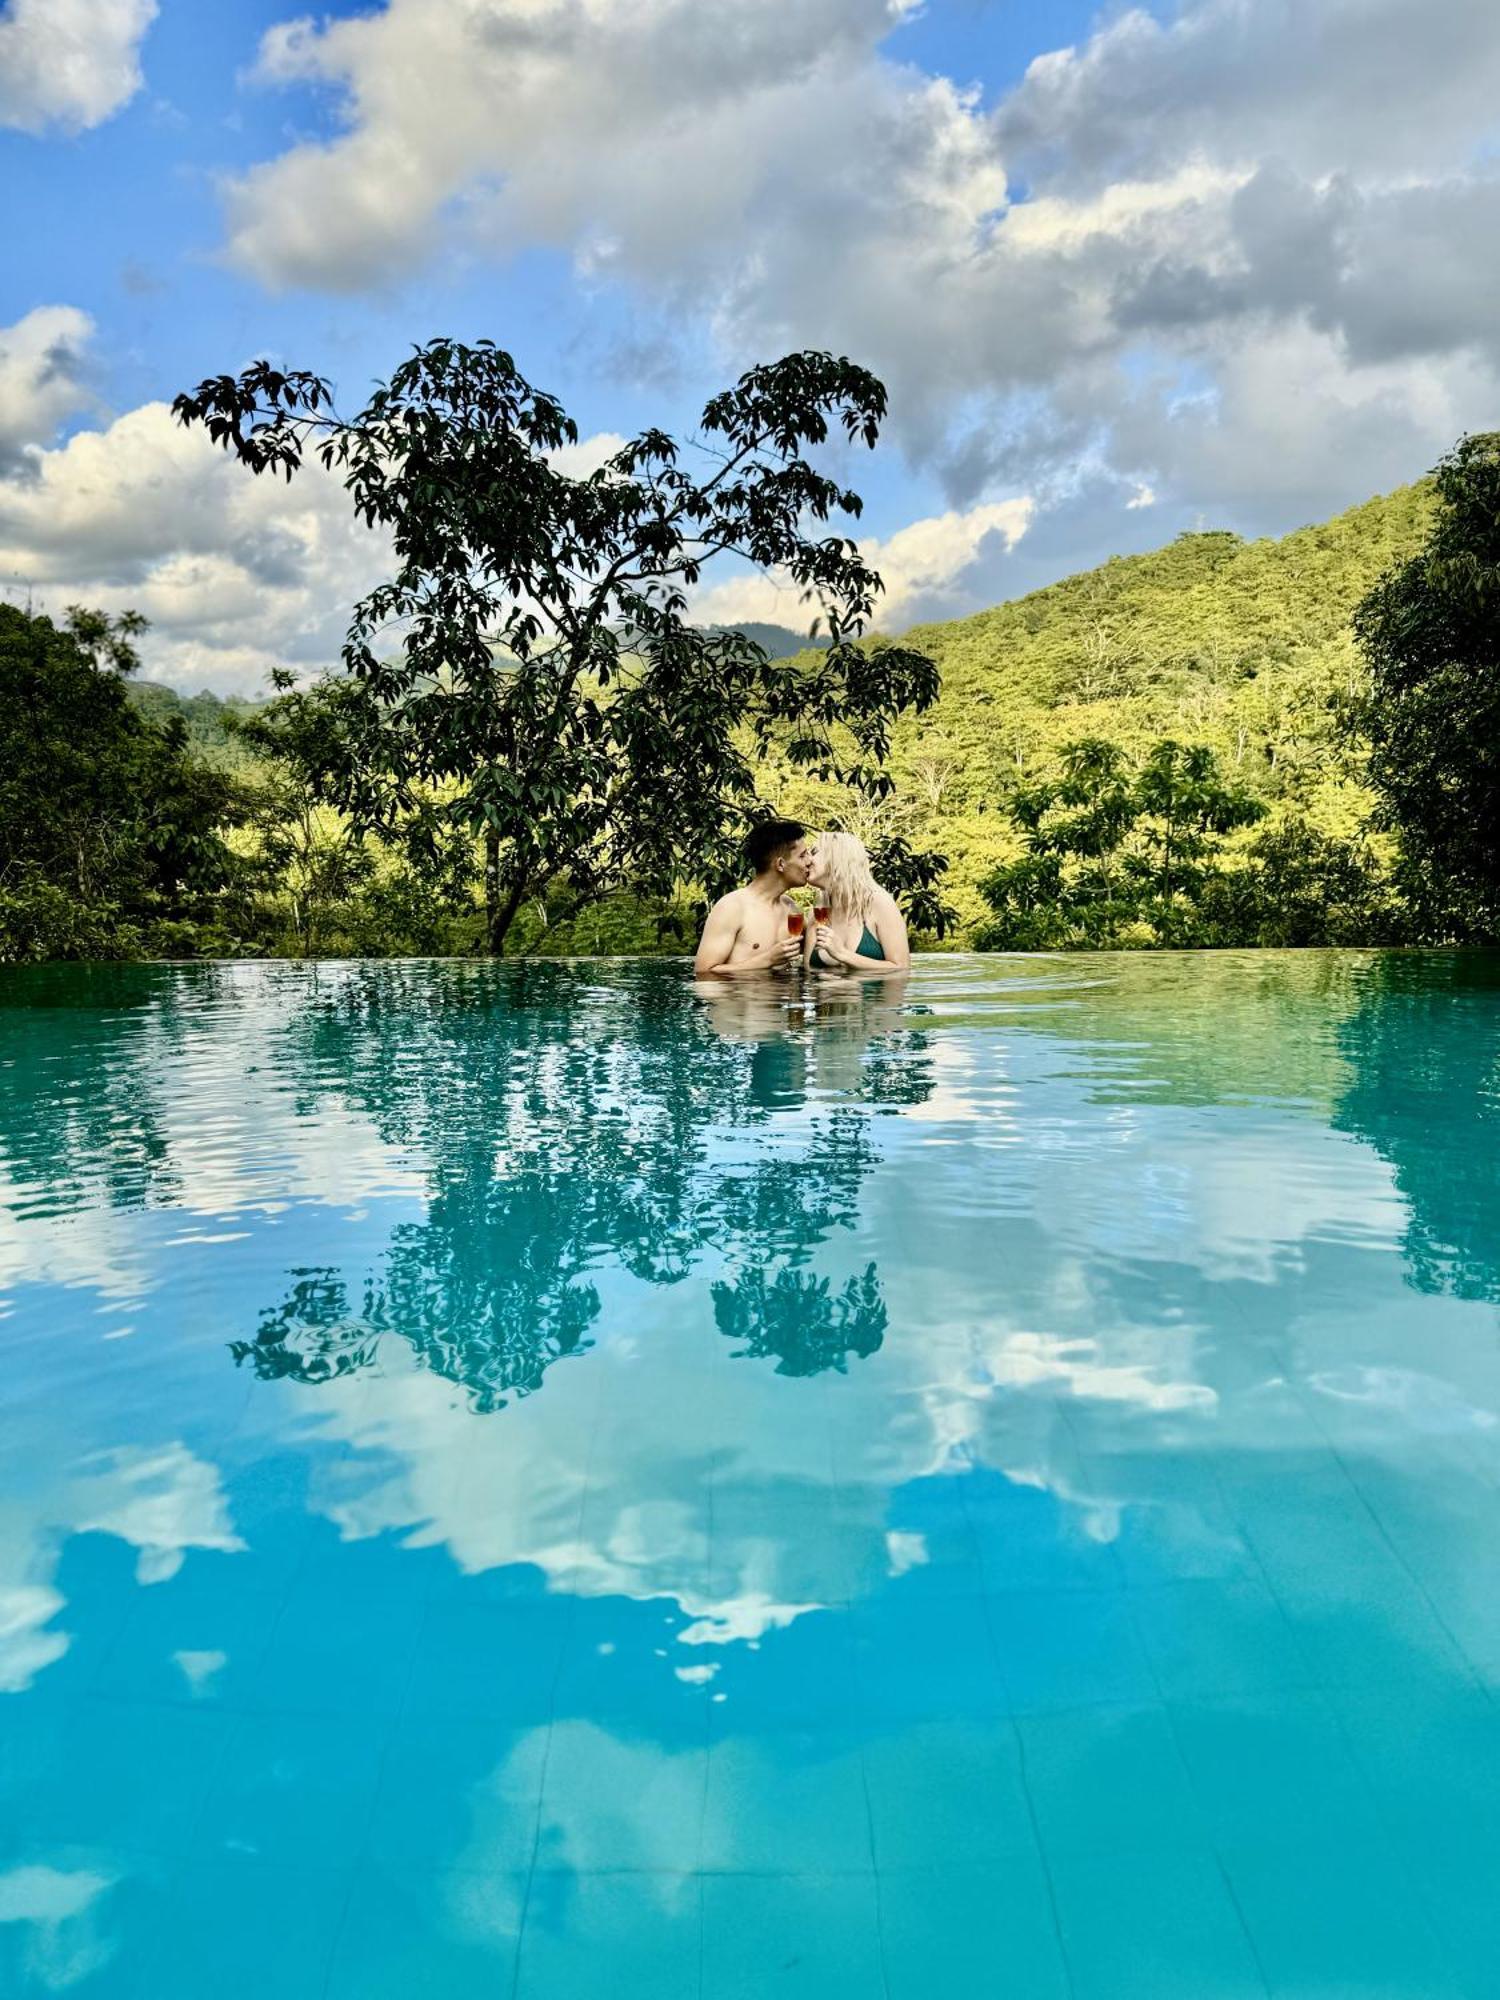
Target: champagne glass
pixel 794 923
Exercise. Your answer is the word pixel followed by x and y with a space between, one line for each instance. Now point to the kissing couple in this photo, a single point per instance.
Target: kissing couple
pixel 759 928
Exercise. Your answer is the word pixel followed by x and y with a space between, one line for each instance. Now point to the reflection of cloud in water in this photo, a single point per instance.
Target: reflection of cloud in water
pixel 104 1253
pixel 1081 1226
pixel 1035 1360
pixel 1415 1402
pixel 161 1501
pixel 640 1472
pixel 602 1507
pixel 64 1944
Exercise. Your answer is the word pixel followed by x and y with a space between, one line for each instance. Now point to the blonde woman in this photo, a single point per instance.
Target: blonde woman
pixel 864 931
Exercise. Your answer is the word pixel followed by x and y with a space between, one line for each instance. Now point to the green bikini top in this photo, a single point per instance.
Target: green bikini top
pixel 869 945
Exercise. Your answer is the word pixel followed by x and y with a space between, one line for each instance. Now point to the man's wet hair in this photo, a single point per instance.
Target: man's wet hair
pixel 768 837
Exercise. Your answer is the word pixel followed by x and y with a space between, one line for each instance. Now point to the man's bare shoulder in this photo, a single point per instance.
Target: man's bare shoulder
pixel 730 904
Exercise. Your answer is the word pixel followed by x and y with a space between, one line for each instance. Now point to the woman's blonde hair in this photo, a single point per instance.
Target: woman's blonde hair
pixel 843 871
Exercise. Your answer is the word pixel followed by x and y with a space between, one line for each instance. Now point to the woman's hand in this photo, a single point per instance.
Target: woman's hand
pixel 827 946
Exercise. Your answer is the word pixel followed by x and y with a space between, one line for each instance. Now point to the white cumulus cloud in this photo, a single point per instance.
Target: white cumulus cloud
pixel 1046 282
pixel 237 574
pixel 42 360
pixel 924 567
pixel 70 63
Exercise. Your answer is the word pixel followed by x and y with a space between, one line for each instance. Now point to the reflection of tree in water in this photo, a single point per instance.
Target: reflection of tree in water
pixel 83 1121
pixel 1424 1046
pixel 799 1318
pixel 310 1336
pixel 571 1117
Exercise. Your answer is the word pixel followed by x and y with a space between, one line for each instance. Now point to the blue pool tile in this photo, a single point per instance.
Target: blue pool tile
pixel 621 1660
pixel 1433 1764
pixel 1152 1926
pixel 1439 1517
pixel 812 1936
pixel 489 1660
pixel 1361 1617
pixel 640 1937
pixel 963 1930
pixel 106 1775
pixel 742 1515
pixel 1068 1649
pixel 1378 1631
pixel 1456 1882
pixel 1307 1523
pixel 502 1583
pixel 1274 1768
pixel 333 1654
pixel 1339 1918
pixel 932 1657
pixel 269 1564
pixel 172 1931
pixel 1445 1527
pixel 621 1802
pixel 181 1644
pixel 1028 1539
pixel 428 1937
pixel 939 1788
pixel 457 1795
pixel 927 1541
pixel 96 1580
pixel 386 1565
pixel 1175 1522
pixel 1101 1779
pixel 798 1677
pixel 1211 1638
pixel 268 1503
pixel 785 1800
pixel 290 1782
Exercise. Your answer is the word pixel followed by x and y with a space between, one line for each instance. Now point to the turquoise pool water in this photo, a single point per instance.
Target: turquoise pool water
pixel 529 1481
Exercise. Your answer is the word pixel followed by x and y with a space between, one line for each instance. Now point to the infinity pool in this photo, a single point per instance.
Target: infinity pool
pixel 538 1481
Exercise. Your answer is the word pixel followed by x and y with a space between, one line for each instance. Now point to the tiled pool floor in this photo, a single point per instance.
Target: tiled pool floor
pixel 516 1484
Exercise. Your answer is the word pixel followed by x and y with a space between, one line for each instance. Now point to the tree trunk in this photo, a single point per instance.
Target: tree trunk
pixel 501 915
pixel 492 889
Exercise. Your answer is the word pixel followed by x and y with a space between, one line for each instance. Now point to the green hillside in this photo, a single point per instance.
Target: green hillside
pixel 1242 646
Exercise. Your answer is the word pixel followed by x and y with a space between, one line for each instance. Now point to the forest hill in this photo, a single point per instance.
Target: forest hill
pixel 1173 748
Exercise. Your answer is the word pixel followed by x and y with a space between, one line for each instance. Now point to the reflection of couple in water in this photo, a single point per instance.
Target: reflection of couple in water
pixel 857 926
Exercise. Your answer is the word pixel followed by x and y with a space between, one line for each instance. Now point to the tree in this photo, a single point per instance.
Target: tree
pixel 1430 631
pixel 1183 810
pixel 1300 886
pixel 106 821
pixel 528 677
pixel 310 854
pixel 1113 854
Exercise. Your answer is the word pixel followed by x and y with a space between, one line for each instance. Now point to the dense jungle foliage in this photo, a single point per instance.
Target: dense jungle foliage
pixel 1171 749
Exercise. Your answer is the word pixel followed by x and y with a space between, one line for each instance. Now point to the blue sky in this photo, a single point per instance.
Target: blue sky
pixel 1123 273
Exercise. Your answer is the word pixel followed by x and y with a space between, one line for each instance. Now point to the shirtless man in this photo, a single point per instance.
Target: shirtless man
pixel 746 930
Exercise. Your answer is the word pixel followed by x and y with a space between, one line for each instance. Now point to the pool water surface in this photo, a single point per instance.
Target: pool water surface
pixel 538 1480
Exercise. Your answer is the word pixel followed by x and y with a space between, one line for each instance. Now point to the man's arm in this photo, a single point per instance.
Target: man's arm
pixel 718 939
